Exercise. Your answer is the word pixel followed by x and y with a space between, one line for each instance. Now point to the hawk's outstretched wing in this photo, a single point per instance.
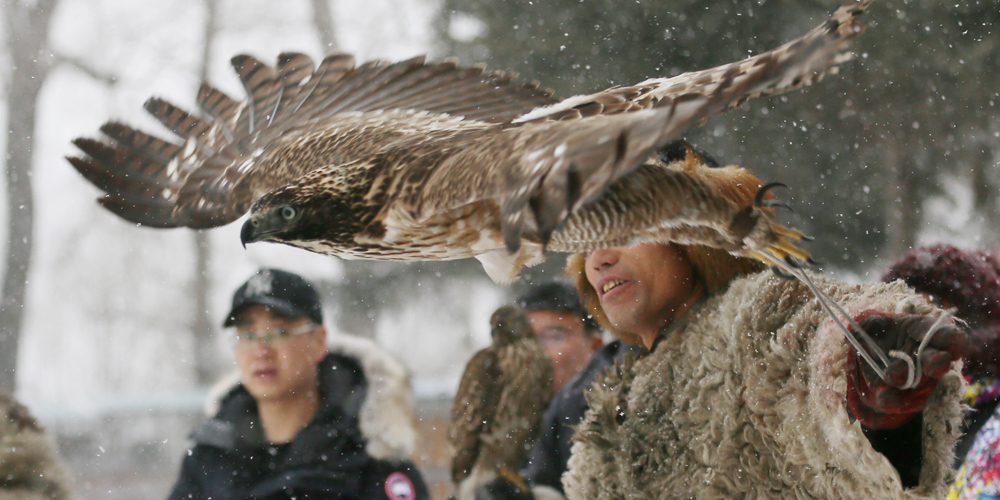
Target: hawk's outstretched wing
pixel 213 175
pixel 570 152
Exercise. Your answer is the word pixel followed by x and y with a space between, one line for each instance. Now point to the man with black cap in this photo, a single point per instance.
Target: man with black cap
pixel 573 339
pixel 312 416
pixel 565 329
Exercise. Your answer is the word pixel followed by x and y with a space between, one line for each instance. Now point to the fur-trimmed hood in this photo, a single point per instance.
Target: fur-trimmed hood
pixel 30 467
pixel 386 415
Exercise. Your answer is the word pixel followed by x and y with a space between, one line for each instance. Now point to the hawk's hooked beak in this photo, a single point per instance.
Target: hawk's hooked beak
pixel 267 225
pixel 249 232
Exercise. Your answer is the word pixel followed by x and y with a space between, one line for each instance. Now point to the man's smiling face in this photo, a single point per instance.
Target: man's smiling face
pixel 642 288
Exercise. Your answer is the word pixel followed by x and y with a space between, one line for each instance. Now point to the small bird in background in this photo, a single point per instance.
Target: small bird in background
pixel 421 160
pixel 500 402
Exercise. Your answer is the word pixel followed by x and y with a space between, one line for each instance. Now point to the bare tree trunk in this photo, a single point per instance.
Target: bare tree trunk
pixel 27 37
pixel 984 203
pixel 205 355
pixel 205 359
pixel 904 213
pixel 356 295
pixel 982 191
pixel 323 19
pixel 911 209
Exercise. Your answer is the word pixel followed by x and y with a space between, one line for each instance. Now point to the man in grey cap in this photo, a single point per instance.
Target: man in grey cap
pixel 564 327
pixel 294 426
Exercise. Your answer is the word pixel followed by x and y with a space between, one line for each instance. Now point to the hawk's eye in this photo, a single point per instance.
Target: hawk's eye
pixel 287 212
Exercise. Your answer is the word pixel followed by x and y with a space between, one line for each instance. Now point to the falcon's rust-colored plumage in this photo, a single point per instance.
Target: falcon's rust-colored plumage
pixel 432 161
pixel 500 402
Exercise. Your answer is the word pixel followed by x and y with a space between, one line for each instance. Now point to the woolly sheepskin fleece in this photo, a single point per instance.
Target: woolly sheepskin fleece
pixel 747 401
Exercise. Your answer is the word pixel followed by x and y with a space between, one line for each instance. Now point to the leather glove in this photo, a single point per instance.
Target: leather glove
pixel 882 404
pixel 501 488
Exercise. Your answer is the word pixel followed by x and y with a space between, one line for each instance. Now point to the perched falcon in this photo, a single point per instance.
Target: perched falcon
pixel 500 402
pixel 421 160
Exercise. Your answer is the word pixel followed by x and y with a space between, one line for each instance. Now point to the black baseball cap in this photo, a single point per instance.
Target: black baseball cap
pixel 286 293
pixel 556 296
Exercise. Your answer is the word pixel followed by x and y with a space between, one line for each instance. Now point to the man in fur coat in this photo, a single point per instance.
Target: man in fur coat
pixel 30 467
pixel 749 390
pixel 311 417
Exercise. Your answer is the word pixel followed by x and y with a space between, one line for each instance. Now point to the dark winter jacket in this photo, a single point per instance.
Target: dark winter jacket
pixel 331 458
pixel 548 458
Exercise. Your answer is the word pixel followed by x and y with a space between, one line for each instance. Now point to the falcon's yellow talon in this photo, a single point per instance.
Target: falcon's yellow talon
pixel 758 255
pixel 513 477
pixel 789 232
pixel 790 249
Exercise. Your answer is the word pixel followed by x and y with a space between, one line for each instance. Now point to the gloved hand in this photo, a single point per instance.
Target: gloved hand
pixel 501 488
pixel 882 404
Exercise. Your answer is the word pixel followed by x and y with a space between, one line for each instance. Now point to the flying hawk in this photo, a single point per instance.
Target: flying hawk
pixel 499 405
pixel 420 160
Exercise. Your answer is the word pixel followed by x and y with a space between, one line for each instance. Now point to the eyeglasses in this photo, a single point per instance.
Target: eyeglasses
pixel 553 335
pixel 271 338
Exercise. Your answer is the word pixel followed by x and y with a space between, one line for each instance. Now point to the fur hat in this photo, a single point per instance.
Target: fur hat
pixel 715 268
pixel 967 280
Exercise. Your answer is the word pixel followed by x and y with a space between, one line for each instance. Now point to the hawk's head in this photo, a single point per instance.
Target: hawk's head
pixel 313 212
pixel 509 324
pixel 273 218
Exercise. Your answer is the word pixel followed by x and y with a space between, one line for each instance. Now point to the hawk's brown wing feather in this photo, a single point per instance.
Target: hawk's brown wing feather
pixel 139 188
pixel 214 174
pixel 472 411
pixel 560 159
pixel 794 65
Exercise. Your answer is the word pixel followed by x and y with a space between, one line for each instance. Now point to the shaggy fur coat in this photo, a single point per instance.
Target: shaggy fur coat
pixel 747 400
pixel 30 468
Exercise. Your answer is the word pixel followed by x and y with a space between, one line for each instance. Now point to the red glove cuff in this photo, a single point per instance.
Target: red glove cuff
pixel 871 400
pixel 858 391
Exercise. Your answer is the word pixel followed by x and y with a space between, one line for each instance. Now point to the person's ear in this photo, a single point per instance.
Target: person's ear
pixel 319 338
